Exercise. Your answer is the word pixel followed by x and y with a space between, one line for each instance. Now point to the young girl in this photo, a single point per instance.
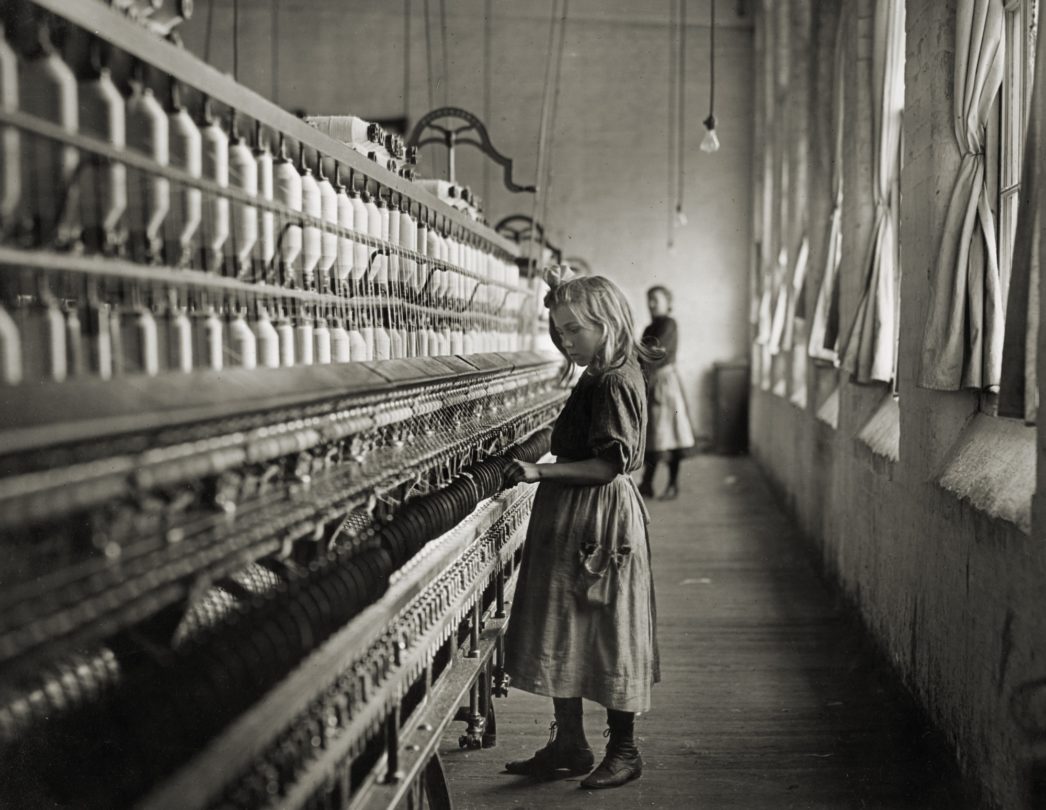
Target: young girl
pixel 669 434
pixel 583 620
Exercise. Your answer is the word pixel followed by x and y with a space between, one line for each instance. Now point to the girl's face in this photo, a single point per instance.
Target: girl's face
pixel 580 342
pixel 657 302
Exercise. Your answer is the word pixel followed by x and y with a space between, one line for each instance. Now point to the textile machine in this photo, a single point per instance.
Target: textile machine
pixel 257 395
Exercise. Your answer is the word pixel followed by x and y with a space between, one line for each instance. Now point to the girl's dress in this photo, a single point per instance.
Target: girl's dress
pixel 669 426
pixel 583 619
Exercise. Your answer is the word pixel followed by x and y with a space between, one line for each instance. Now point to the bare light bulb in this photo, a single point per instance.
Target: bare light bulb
pixel 710 143
pixel 681 219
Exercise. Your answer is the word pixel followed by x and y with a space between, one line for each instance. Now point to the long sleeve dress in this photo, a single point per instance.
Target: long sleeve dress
pixel 669 425
pixel 583 617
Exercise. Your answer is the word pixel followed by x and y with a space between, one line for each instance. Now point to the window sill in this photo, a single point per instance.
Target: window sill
pixel 882 433
pixel 828 413
pixel 992 468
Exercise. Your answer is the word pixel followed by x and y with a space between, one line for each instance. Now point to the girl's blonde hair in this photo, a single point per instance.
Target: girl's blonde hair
pixel 599 302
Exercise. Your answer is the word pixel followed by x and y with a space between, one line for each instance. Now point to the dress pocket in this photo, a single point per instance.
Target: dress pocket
pixel 599 573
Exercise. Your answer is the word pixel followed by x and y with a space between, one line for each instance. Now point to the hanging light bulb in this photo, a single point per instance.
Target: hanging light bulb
pixel 710 143
pixel 681 219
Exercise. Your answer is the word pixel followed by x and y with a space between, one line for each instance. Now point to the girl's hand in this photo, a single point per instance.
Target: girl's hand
pixel 520 472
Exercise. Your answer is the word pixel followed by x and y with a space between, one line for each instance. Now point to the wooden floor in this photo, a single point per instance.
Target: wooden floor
pixel 769 698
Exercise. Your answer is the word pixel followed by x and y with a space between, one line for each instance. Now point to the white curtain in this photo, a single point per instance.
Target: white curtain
pixel 777 302
pixel 871 348
pixel 962 341
pixel 824 329
pixel 1018 389
pixel 795 294
pixel 790 286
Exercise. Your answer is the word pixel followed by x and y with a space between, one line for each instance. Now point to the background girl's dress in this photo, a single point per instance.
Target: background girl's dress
pixel 583 618
pixel 669 426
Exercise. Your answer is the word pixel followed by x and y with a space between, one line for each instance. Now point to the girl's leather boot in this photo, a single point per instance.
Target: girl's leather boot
pixel 566 750
pixel 622 762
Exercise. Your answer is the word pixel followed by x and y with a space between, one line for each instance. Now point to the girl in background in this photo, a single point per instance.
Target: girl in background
pixel 669 434
pixel 583 618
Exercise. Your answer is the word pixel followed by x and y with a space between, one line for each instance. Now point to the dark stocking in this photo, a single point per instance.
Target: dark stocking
pixel 569 723
pixel 622 731
pixel 673 468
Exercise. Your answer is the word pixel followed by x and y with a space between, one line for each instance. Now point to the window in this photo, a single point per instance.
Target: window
pixel 1015 103
pixel 1005 140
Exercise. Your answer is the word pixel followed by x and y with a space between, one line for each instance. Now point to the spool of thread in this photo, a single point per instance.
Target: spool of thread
pixel 266 219
pixel 408 240
pixel 47 90
pixel 361 252
pixel 457 279
pixel 114 326
pixel 312 205
pixel 445 274
pixel 382 344
pixel 433 250
pixel 243 346
pixel 147 133
pixel 421 339
pixel 216 213
pixel 329 213
pixel 345 244
pixel 288 194
pixel 421 245
pixel 394 262
pixel 11 372
pixel 180 342
pixel 98 339
pixel 304 341
pixel 381 261
pixel 357 346
pixel 186 147
pixel 74 343
pixel 375 269
pixel 268 340
pixel 105 200
pixel 243 174
pixel 208 330
pixel 396 347
pixel 10 154
pixel 285 333
pixel 367 333
pixel 341 348
pixel 454 257
pixel 148 342
pixel 457 342
pixel 139 341
pixel 321 337
pixel 42 330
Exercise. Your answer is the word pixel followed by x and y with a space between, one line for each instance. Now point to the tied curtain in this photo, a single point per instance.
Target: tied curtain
pixel 824 329
pixel 1018 389
pixel 963 338
pixel 871 348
